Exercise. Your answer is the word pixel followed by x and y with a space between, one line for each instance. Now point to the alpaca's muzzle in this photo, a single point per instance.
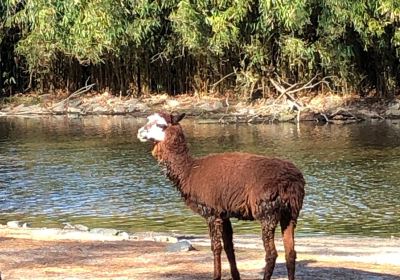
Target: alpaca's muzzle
pixel 142 135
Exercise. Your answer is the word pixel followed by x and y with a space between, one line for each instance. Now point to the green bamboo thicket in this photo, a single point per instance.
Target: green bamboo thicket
pixel 191 46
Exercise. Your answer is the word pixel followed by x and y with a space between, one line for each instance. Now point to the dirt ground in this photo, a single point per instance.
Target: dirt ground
pixel 319 258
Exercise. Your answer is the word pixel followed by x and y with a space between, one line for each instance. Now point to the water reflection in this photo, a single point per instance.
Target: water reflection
pixel 94 171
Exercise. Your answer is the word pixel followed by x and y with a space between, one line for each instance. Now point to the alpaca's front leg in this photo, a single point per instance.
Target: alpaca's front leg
pixel 215 228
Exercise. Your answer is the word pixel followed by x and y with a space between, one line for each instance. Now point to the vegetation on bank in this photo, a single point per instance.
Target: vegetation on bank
pixel 192 46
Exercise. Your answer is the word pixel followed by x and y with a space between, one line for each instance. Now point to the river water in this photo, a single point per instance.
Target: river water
pixel 94 171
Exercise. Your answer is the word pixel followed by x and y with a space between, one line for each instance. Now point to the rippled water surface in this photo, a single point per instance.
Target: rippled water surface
pixel 95 172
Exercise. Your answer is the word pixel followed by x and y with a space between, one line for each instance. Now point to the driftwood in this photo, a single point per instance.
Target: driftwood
pixel 293 88
pixel 74 94
pixel 288 90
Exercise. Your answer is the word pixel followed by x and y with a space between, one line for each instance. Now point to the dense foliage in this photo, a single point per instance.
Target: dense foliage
pixel 136 46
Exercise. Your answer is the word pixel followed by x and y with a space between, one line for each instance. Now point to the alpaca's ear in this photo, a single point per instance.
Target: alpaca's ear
pixel 177 118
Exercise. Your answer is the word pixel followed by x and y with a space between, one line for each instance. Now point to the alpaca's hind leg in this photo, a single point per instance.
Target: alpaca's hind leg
pixel 287 227
pixel 268 234
pixel 215 228
pixel 227 235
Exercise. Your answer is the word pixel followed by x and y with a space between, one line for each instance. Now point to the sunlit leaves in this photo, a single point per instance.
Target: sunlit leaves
pixel 145 19
pixel 209 39
pixel 190 26
pixel 97 29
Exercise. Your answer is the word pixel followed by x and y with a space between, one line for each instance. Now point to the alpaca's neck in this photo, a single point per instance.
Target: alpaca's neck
pixel 179 167
pixel 178 162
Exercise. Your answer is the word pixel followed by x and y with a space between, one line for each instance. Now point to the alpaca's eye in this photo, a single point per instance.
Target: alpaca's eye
pixel 162 126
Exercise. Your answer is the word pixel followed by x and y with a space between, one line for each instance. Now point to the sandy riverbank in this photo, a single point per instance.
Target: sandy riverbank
pixel 27 253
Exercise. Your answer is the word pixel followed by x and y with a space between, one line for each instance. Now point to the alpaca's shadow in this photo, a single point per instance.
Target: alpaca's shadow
pixel 305 271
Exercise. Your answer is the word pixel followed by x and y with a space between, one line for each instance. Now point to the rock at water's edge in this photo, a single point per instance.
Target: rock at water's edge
pixel 180 246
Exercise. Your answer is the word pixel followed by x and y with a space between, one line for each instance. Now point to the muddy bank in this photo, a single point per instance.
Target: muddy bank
pixel 338 109
pixel 27 253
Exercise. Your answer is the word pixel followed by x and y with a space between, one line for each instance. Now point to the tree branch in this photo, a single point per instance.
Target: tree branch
pixel 220 80
pixel 79 91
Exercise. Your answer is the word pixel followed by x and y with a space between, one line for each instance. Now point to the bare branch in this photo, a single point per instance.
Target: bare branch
pixel 284 91
pixel 79 91
pixel 310 81
pixel 293 88
pixel 158 56
pixel 220 80
pixel 277 86
pixel 325 117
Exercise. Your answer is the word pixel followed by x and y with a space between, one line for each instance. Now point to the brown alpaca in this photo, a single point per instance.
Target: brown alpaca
pixel 239 185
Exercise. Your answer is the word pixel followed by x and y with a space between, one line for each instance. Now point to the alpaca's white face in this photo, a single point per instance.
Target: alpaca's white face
pixel 153 130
